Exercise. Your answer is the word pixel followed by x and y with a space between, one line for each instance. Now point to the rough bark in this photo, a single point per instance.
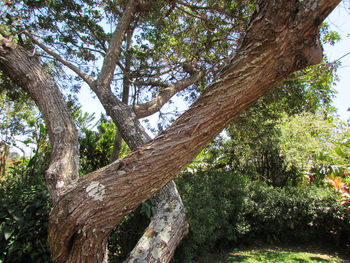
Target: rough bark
pixel 282 38
pixel 166 222
pixel 111 58
pixel 26 71
pixel 278 42
pixel 37 82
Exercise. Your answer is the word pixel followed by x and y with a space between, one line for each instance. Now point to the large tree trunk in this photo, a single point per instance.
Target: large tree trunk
pixel 282 38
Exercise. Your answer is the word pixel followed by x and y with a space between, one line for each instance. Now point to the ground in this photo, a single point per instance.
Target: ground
pixel 279 254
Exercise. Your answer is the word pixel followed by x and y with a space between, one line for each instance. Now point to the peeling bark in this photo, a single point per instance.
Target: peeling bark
pixel 263 59
pixel 135 136
pixel 167 222
pixel 161 237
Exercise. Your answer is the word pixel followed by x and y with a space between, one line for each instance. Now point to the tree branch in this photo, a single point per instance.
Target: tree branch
pixel 86 77
pixel 147 109
pixel 111 58
pixel 169 220
pixel 205 8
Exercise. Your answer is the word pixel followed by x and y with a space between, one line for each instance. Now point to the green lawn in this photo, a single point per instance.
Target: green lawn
pixel 275 255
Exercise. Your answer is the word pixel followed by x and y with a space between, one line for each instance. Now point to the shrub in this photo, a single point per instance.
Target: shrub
pixel 213 203
pixel 295 214
pixel 223 208
pixel 24 213
pixel 226 209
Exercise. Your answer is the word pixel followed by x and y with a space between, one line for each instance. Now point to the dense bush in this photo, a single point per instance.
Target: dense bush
pixel 296 214
pixel 24 214
pixel 225 209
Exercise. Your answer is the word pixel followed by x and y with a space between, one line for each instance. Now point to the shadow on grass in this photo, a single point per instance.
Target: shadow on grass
pixel 318 259
pixel 237 258
pixel 269 256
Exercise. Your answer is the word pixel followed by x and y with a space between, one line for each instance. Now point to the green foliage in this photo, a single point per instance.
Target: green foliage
pixel 203 34
pixel 18 115
pixel 328 36
pixel 96 146
pixel 223 209
pixel 24 206
pixel 296 213
pixel 213 202
pixel 280 149
pixel 226 209
pixel 315 145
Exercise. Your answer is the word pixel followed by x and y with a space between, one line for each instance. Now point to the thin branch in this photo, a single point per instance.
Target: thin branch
pixel 343 56
pixel 147 109
pixel 193 15
pixel 150 83
pixel 206 8
pixel 86 77
pixel 102 43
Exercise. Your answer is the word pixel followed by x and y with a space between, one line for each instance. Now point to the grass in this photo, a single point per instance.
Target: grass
pixel 275 255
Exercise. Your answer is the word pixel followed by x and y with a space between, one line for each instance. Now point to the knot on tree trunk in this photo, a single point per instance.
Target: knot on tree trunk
pixel 314 53
pixel 311 52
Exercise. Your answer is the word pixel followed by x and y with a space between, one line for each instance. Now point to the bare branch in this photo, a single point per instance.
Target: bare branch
pixel 86 77
pixel 147 109
pixel 206 8
pixel 150 83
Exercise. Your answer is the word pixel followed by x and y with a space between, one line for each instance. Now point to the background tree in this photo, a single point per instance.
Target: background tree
pixel 269 50
pixel 254 138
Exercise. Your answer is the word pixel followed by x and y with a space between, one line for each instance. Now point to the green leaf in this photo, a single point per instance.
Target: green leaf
pixel 8 231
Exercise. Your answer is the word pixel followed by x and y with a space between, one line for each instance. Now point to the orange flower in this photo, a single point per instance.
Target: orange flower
pixel 336 183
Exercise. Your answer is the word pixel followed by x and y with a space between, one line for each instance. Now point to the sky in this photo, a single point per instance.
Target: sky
pixel 339 21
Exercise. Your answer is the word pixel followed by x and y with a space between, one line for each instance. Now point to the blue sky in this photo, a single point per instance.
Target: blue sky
pixel 340 22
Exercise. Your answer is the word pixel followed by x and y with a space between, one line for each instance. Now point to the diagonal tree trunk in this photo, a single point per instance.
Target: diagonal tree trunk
pixel 282 38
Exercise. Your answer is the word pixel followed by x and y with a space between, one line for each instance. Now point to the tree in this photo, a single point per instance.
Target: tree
pixel 253 142
pixel 280 38
pixel 318 147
